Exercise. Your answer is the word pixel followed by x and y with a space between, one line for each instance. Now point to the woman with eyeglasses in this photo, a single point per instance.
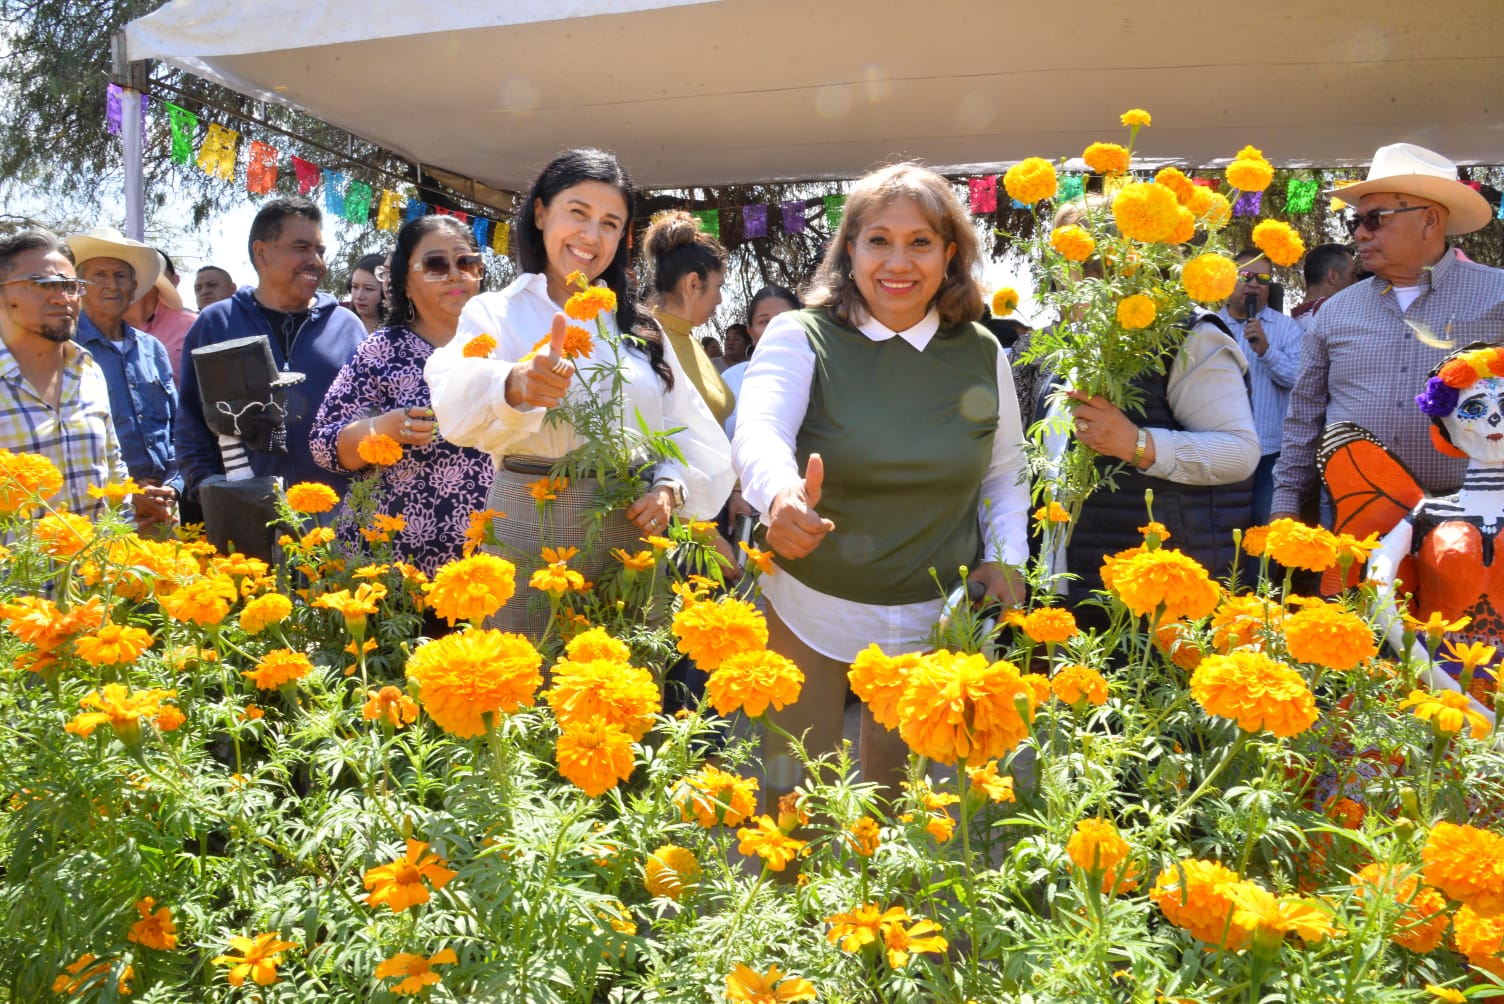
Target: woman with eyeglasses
pixel 436 269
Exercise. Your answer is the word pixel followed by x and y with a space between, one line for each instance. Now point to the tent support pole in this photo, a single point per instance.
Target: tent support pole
pixel 132 80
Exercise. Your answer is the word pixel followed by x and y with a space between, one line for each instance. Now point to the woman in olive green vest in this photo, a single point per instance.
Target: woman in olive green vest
pixel 878 432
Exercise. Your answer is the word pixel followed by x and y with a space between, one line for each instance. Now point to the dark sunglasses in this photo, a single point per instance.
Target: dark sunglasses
pixel 1262 278
pixel 1373 219
pixel 437 266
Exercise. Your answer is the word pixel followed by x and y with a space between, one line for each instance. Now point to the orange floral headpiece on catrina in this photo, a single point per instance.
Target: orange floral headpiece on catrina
pixel 1458 371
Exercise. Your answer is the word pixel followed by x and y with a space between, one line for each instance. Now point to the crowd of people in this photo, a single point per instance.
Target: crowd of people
pixel 869 419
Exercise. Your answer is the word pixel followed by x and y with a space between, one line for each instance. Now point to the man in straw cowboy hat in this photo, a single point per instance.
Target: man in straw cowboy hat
pixel 1369 351
pixel 143 398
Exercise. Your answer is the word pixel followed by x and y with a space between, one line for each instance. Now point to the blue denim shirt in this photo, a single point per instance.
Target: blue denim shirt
pixel 143 400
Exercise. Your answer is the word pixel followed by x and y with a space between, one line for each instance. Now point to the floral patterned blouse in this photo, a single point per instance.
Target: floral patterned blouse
pixel 435 487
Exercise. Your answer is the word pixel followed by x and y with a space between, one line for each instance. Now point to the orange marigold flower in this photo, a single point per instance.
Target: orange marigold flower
pixel 416 971
pixel 557 579
pixel 1074 243
pixel 1004 301
pixel 597 643
pixel 1268 918
pixel 479 347
pixel 768 842
pixel 1050 625
pixel 1164 580
pixel 463 678
pixel 277 667
pixel 354 607
pixel 762 560
pixel 155 929
pixel 89 971
pixel 1467 864
pixel 391 706
pixel 112 645
pixel 1449 711
pixel 547 489
pixel 605 688
pixel 1031 180
pixel 115 492
pixel 1329 636
pixel 1295 545
pixel 170 718
pixel 1145 212
pixel 595 756
pixel 481 521
pixel 985 779
pixel 26 479
pixel 264 611
pixel 900 942
pixel 205 601
pixel 670 872
pixel 1242 622
pixel 118 708
pixel 1175 180
pixel 1052 513
pixel 710 633
pixel 963 707
pixel 379 449
pixel 1185 228
pixel 1135 117
pixel 577 343
pixel 399 884
pixel 855 929
pixel 1423 923
pixel 1481 938
pixel 879 681
pixel 750 681
pixel 1209 278
pixel 1255 540
pixel 1106 158
pixel 1279 242
pixel 863 836
pixel 1096 847
pixel 311 497
pixel 62 534
pixel 1250 174
pixel 588 303
pixel 635 562
pixel 1136 312
pixel 258 958
pixel 747 984
pixel 471 589
pixel 1192 895
pixel 1256 692
pixel 711 796
pixel 1076 683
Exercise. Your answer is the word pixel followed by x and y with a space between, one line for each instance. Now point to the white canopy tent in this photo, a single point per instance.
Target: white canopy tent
pixel 699 92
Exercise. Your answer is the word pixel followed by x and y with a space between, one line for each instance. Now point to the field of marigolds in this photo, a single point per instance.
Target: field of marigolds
pixel 230 782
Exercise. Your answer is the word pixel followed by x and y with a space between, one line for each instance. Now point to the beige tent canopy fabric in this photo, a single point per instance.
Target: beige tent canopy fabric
pixel 700 92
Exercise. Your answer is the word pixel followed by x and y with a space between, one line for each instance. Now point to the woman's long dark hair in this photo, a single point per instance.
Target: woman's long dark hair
pixel 413 232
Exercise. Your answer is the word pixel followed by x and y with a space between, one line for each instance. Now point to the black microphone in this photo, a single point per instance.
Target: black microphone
pixel 1250 305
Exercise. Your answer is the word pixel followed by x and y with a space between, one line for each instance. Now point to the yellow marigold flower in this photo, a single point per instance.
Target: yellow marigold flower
pixel 89 971
pixel 1175 180
pixel 1424 922
pixel 900 943
pixel 595 756
pixel 1481 938
pixel 547 489
pixel 155 929
pixel 750 681
pixel 1145 212
pixel 763 560
pixel 1445 994
pixel 391 706
pixel 1209 278
pixel 205 601
pixel 478 528
pixel 607 689
pixel 1192 896
pixel 117 707
pixel 1436 627
pixel 462 678
pixel 1076 683
pixel 1185 227
pixel 659 543
pixel 471 589
pixel 670 872
pixel 746 984
pixel 1241 622
pixel 112 645
pixel 1163 580
pixel 710 633
pixel 317 537
pixel 263 611
pixel 26 479
pixel 399 884
pixel 863 837
pixel 1268 918
pixel 711 796
pixel 1256 540
pixel 635 562
pixel 1052 513
pixel 416 971
pixel 879 681
pixel 354 607
pixel 768 842
pixel 961 706
pixel 1467 864
pixel 1256 692
pixel 114 492
pixel 1050 625
pixel 379 449
pixel 479 347
pixel 1031 180
pixel 557 579
pixel 1096 847
pixel 587 303
pixel 1209 207
pixel 1074 243
pixel 1106 158
pixel 277 667
pixel 1136 311
pixel 1250 174
pixel 1135 117
pixel 1471 656
pixel 597 643
pixel 311 497
pixel 1329 636
pixel 62 534
pixel 258 958
pixel 1295 545
pixel 1279 242
pixel 1004 301
pixel 985 779
pixel 858 928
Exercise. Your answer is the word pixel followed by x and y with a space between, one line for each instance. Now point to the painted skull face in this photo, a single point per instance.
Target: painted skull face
pixel 1477 424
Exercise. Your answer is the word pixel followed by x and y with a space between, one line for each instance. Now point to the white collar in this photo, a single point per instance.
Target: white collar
pixel 918 336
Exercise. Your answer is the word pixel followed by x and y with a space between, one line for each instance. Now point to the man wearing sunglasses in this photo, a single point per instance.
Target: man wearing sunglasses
pixel 53 397
pixel 1372 346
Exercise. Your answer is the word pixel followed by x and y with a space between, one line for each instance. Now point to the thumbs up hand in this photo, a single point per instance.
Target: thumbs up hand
pixel 541 378
pixel 794 527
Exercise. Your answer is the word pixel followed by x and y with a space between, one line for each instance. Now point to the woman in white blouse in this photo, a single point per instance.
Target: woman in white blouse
pixel 573 219
pixel 878 433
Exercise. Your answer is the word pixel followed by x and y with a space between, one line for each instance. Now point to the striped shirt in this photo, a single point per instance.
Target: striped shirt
pixel 1365 359
pixel 1271 375
pixel 78 436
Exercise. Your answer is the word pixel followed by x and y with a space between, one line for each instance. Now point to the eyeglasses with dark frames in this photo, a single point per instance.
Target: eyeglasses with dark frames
pixel 437 266
pixel 1262 278
pixel 49 284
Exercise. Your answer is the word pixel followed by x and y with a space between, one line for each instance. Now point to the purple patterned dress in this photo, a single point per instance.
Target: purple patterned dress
pixel 434 488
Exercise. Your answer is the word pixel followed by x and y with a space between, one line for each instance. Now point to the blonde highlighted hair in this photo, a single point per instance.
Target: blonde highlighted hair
pixel 959 298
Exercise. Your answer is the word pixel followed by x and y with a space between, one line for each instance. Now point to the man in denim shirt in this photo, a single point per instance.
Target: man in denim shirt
pixel 143 400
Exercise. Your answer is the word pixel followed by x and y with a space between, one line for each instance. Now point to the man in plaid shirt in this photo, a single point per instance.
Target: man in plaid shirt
pixel 53 398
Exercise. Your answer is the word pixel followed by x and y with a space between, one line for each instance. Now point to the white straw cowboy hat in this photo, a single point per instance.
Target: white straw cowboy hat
pixel 1407 169
pixel 107 242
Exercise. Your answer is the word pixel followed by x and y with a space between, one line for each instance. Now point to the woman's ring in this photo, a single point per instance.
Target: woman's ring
pixel 653 523
pixel 561 367
pixel 1082 425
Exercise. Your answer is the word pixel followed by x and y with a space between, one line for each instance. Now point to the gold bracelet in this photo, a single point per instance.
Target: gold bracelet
pixel 1139 447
